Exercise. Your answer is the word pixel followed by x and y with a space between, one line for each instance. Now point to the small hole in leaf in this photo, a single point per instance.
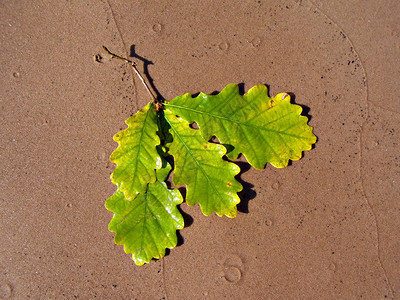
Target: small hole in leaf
pixel 214 140
pixel 194 125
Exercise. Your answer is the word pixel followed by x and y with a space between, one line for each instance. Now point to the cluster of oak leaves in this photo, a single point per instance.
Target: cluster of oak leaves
pixel 263 129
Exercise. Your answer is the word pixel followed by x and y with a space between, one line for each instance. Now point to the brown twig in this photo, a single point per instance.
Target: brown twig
pixel 133 65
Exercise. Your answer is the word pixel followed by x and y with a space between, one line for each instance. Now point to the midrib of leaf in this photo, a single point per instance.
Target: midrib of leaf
pixel 140 143
pixel 260 128
pixel 194 158
pixel 147 207
pixel 144 221
pixel 129 166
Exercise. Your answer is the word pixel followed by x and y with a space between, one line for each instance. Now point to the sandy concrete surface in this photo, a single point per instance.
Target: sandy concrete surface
pixel 325 227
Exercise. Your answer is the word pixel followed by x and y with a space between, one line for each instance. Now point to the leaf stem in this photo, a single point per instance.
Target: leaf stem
pixel 133 65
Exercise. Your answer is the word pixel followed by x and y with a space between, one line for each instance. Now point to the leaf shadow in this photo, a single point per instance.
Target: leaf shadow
pixel 242 91
pixel 305 112
pixel 306 109
pixel 188 220
pixel 247 193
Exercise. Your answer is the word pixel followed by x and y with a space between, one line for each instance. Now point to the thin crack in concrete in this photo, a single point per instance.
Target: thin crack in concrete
pixel 360 146
pixel 134 85
pixel 125 50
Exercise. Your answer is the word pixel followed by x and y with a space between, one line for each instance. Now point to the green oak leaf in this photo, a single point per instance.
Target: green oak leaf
pixel 210 181
pixel 147 225
pixel 136 156
pixel 264 129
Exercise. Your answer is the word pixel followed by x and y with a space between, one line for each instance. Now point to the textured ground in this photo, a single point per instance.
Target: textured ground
pixel 327 226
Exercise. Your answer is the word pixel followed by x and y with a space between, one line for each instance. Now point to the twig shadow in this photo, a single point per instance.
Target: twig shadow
pixel 146 72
